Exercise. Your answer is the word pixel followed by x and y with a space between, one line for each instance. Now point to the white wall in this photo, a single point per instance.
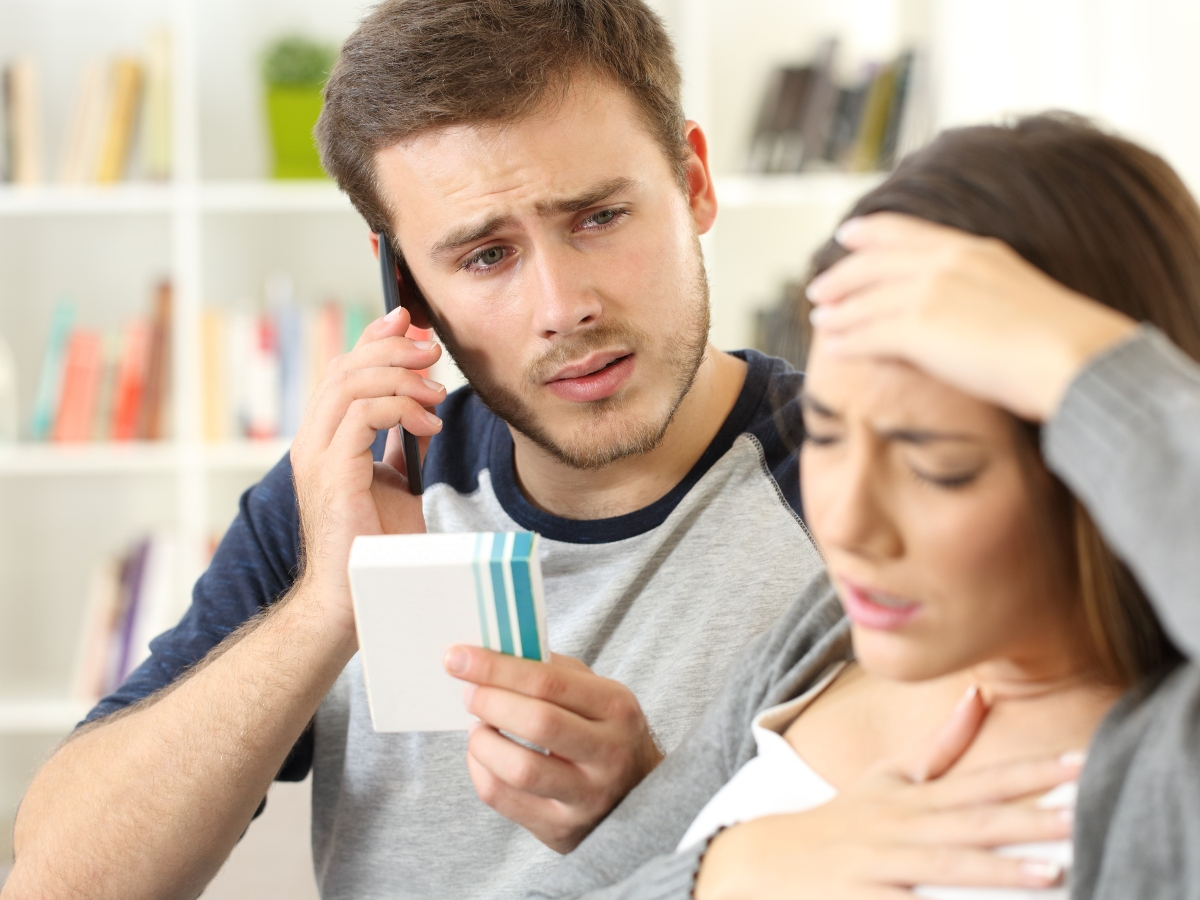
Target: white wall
pixel 1132 64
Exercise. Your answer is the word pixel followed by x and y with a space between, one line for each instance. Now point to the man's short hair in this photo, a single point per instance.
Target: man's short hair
pixel 416 65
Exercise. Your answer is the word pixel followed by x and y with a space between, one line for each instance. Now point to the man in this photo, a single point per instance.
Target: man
pixel 529 161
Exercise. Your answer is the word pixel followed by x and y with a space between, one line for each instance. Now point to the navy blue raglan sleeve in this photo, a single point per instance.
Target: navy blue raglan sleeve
pixel 255 564
pixel 779 425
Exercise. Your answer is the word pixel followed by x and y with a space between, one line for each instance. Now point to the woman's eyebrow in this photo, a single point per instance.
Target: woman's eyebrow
pixel 812 404
pixel 926 436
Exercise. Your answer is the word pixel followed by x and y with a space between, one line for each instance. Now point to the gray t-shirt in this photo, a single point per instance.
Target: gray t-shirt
pixel 661 599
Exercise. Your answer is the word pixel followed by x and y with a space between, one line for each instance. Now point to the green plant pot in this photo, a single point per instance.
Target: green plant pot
pixel 292 112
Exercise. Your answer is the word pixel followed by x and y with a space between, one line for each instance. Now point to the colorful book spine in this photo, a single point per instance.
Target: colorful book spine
pixel 125 95
pixel 45 402
pixel 158 367
pixel 130 384
pixel 81 381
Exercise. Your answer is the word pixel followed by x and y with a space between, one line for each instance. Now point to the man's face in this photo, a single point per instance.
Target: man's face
pixel 560 261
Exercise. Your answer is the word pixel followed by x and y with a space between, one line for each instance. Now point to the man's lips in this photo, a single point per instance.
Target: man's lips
pixel 876 609
pixel 595 377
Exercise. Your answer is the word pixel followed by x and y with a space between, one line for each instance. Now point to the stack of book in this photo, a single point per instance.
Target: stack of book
pixel 132 598
pixel 259 369
pixel 784 330
pixel 98 386
pixel 115 99
pixel 809 121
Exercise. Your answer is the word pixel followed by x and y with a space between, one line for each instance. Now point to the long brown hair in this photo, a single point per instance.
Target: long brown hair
pixel 1108 219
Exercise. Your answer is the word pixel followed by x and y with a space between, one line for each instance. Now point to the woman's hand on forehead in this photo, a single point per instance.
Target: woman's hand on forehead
pixel 966 309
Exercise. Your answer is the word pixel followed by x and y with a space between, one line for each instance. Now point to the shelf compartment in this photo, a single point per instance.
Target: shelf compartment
pixel 60 199
pixel 807 189
pixel 41 715
pixel 262 195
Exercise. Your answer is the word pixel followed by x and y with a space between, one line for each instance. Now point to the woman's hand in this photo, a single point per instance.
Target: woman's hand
pixel 968 310
pixel 902 825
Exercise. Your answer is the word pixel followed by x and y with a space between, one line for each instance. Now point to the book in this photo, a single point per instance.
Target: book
pixel 213 369
pixel 415 595
pixel 130 383
pixel 75 419
pixel 158 367
pixel 86 131
pixel 102 611
pixel 156 118
pixel 45 401
pixel 124 96
pixel 22 96
pixel 866 155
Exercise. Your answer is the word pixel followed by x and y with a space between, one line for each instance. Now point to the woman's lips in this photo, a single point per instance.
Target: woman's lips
pixel 872 609
pixel 605 381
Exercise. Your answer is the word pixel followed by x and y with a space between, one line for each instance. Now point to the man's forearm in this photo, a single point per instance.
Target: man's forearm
pixel 150 803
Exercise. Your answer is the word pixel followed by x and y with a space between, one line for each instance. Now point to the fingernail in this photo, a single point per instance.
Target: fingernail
pixel 968 697
pixel 456 661
pixel 433 385
pixel 468 693
pixel 1073 758
pixel 433 419
pixel 847 230
pixel 424 345
pixel 1041 871
pixel 813 291
pixel 817 315
pixel 393 315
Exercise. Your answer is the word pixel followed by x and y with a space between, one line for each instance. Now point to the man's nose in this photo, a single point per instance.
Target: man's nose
pixel 564 293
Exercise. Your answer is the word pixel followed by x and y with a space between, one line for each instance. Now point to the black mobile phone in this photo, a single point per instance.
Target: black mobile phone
pixel 391 269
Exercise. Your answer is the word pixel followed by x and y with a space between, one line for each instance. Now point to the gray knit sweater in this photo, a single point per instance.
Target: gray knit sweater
pixel 1127 442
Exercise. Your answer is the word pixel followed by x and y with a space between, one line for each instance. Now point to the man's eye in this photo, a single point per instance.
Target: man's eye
pixel 603 219
pixel 485 258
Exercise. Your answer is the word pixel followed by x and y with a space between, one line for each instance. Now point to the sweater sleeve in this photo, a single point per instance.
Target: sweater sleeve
pixel 1126 440
pixel 631 854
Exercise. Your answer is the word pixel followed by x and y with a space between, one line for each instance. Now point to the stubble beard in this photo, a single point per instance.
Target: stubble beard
pixel 590 448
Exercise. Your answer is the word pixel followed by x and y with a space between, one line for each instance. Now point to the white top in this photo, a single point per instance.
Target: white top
pixel 778 781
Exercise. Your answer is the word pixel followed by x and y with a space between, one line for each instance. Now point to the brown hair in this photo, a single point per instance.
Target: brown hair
pixel 415 65
pixel 1106 218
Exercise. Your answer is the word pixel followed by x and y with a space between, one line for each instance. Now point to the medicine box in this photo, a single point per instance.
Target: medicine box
pixel 417 594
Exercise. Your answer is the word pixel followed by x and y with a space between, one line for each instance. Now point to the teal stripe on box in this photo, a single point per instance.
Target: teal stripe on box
pixel 477 563
pixel 523 591
pixel 506 641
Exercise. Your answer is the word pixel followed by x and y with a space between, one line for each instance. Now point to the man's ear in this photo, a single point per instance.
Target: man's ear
pixel 410 296
pixel 702 195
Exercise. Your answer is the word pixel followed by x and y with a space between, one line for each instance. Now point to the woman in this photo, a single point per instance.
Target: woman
pixel 977 588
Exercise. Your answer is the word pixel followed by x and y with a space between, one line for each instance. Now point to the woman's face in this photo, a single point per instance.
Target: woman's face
pixel 934 522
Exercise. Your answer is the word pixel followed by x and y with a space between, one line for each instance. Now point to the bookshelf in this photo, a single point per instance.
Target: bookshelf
pixel 218 228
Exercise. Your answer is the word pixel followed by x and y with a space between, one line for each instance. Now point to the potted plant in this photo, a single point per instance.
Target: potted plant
pixel 294 70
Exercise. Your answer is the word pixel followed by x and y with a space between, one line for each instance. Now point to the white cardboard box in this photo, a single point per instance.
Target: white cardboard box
pixel 417 594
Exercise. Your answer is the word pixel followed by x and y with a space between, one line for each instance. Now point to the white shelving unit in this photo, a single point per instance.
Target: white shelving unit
pixel 216 230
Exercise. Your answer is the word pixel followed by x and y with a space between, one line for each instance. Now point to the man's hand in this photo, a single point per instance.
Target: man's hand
pixel 598 741
pixel 340 490
pixel 966 309
pixel 903 824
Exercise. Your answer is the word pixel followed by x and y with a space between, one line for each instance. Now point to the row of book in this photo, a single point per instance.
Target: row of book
pixel 810 121
pixel 258 369
pixel 105 386
pixel 784 329
pixel 118 100
pixel 132 597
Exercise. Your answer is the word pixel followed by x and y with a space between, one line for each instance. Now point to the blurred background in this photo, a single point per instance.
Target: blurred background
pixel 174 269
